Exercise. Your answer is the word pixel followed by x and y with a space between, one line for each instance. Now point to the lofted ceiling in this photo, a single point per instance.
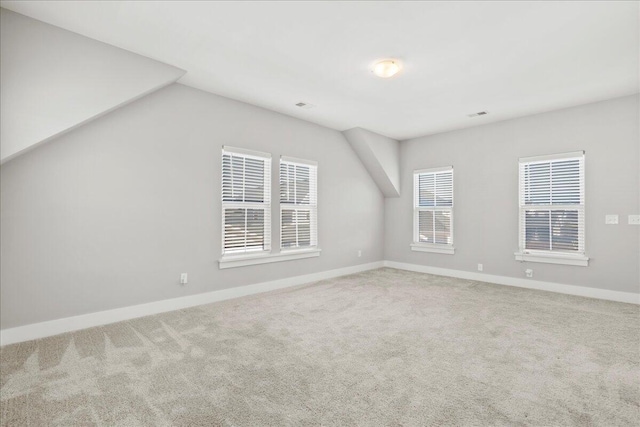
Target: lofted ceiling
pixel 508 58
pixel 53 81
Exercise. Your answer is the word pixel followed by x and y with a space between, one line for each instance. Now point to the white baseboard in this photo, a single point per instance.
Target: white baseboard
pixel 69 324
pixel 628 297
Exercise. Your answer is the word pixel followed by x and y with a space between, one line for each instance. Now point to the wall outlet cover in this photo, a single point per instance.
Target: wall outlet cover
pixel 611 219
pixel 634 219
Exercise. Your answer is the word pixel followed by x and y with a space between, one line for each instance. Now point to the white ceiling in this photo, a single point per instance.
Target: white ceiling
pixel 508 58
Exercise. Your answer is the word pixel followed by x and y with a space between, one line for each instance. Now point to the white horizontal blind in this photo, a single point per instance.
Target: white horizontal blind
pixel 552 204
pixel 298 203
pixel 246 201
pixel 433 206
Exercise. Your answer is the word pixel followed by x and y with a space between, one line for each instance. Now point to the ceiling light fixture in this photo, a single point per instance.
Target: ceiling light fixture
pixel 387 68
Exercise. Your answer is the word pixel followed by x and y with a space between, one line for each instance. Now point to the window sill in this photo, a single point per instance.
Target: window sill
pixel 438 249
pixel 554 258
pixel 232 261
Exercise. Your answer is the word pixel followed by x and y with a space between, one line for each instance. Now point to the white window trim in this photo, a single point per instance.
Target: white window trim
pixel 551 257
pixel 249 254
pixel 246 152
pixel 433 170
pixel 549 157
pixel 288 159
pixel 438 248
pixel 313 209
pixel 241 260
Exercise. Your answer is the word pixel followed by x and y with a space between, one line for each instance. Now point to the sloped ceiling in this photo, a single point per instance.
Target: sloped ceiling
pixel 510 58
pixel 53 80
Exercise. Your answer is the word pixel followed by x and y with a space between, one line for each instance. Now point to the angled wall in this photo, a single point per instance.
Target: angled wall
pixel 53 80
pixel 380 155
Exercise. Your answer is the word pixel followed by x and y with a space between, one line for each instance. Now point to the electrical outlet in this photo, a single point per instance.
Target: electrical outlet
pixel 611 219
pixel 634 219
pixel 359 254
pixel 480 267
pixel 528 272
pixel 183 279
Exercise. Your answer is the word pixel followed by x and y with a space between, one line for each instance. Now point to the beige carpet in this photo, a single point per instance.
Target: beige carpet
pixel 381 348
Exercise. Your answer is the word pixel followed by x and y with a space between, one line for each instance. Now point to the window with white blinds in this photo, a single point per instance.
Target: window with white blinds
pixel 246 201
pixel 298 203
pixel 552 204
pixel 433 208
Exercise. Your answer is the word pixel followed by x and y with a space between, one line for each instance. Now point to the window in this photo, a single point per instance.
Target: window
pixel 552 209
pixel 433 210
pixel 246 201
pixel 298 203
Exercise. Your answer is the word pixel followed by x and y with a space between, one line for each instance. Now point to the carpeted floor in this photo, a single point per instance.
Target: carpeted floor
pixel 381 348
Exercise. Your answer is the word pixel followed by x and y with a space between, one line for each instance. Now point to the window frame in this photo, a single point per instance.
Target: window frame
pixel 578 258
pixel 255 257
pixel 265 205
pixel 416 245
pixel 311 207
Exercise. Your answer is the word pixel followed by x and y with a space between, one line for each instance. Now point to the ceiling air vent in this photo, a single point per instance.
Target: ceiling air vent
pixel 479 113
pixel 304 105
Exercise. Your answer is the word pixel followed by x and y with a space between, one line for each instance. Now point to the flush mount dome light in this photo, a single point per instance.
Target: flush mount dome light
pixel 387 68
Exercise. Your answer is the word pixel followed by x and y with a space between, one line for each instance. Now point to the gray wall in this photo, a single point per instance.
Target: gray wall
pixel 111 213
pixel 485 161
